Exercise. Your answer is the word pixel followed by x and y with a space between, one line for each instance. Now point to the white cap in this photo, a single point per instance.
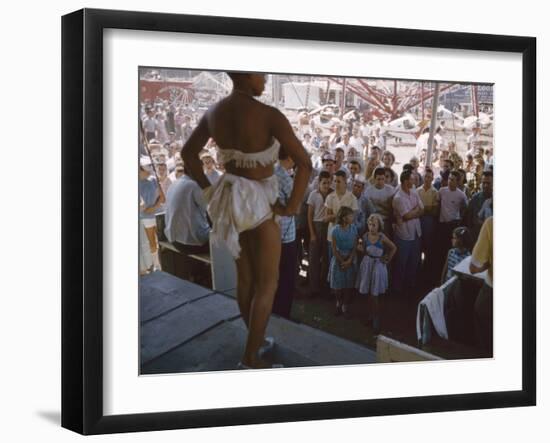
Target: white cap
pixel 145 161
pixel 208 153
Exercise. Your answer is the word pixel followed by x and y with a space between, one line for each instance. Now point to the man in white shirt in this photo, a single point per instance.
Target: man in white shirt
pixel 186 128
pixel 345 143
pixel 453 203
pixel 329 166
pixel 407 207
pixel 376 151
pixel 356 140
pixel 354 168
pixel 364 130
pixel 335 200
pixel 186 220
pixel 150 126
pixel 381 196
pixel 422 142
pixel 339 156
pixel 474 140
pixel 442 128
pixel 164 180
pixel 318 246
pixel 162 133
pixel 440 142
pixel 308 144
pixel 335 136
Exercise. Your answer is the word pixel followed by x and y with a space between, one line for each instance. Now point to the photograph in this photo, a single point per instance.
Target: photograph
pixel 291 220
pixel 309 235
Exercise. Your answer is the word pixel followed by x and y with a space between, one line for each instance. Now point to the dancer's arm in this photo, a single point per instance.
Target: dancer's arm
pixel 283 132
pixel 190 153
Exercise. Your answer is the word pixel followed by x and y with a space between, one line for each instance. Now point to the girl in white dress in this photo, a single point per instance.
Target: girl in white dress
pixel 373 272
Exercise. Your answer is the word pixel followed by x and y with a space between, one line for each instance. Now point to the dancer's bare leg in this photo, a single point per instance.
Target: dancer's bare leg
pixel 245 287
pixel 265 252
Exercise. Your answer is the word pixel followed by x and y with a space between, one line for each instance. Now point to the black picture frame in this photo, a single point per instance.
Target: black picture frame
pixel 82 218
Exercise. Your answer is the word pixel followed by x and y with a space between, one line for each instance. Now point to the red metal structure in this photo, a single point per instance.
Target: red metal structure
pixel 391 102
pixel 166 90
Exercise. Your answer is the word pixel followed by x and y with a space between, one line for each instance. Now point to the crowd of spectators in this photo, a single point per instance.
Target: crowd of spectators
pixel 366 228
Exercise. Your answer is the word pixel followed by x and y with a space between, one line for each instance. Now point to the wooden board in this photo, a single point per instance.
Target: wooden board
pixel 389 350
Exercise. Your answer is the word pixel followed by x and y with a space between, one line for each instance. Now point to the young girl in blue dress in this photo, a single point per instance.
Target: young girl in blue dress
pixel 462 245
pixel 373 273
pixel 343 266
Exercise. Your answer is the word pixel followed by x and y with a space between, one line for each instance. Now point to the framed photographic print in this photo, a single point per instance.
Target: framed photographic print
pixel 269 221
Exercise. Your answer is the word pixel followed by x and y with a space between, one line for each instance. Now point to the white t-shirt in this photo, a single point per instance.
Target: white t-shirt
pixel 344 147
pixel 357 142
pixel 422 143
pixel 441 143
pixel 452 202
pixel 472 141
pixel 334 202
pixel 150 124
pixel 381 199
pixel 317 201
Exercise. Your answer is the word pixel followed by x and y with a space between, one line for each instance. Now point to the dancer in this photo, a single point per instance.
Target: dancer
pixel 243 203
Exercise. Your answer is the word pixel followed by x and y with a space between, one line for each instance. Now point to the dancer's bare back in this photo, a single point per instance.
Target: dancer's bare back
pixel 240 122
pixel 245 124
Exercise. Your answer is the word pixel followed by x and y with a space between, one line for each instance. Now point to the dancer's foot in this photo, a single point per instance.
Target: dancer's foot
pixel 267 347
pixel 260 364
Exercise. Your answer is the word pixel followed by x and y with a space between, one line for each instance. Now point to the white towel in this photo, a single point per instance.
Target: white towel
pixel 237 204
pixel 435 304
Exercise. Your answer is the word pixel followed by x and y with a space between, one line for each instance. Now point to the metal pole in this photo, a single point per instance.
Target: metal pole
pixel 146 144
pixel 473 92
pixel 435 103
pixel 394 100
pixel 274 91
pixel 343 99
pixel 422 98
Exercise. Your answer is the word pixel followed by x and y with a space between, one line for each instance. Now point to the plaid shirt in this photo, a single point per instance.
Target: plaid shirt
pixel 474 183
pixel 288 227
